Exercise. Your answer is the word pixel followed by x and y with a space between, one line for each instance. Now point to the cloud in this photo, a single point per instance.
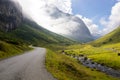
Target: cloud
pixel 44 11
pixel 64 5
pixel 113 21
pixel 94 29
pixel 33 6
pixel 56 16
pixel 118 0
pixel 51 14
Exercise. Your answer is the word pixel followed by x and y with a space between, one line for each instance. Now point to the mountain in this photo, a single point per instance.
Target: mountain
pixel 16 29
pixel 74 28
pixel 66 24
pixel 10 15
pixel 31 33
pixel 78 30
pixel 18 32
pixel 110 38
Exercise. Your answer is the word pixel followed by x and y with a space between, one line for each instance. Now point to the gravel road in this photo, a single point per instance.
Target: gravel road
pixel 29 66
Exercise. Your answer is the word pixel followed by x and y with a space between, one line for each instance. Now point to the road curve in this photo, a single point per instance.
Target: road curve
pixel 29 66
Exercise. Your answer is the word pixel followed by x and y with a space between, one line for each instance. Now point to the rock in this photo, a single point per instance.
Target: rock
pixel 102 64
pixel 10 15
pixel 118 54
pixel 85 58
pixel 81 55
pixel 92 62
pixel 62 51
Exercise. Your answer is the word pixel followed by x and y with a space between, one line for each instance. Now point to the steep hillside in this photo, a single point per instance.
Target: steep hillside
pixel 16 29
pixel 68 25
pixel 8 50
pixel 10 15
pixel 112 37
pixel 31 33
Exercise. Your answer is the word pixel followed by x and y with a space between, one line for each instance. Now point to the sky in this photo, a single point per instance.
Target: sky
pixel 100 16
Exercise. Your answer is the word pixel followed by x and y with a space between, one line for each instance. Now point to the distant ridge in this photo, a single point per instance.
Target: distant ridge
pixel 110 38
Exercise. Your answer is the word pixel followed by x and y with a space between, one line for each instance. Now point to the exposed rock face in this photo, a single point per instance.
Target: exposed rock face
pixel 10 15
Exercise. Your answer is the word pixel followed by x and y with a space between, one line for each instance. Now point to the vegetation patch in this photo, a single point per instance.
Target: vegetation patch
pixel 8 50
pixel 65 68
pixel 110 38
pixel 107 54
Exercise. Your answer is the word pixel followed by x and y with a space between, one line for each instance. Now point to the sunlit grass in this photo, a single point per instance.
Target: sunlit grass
pixel 8 50
pixel 107 54
pixel 110 38
pixel 65 68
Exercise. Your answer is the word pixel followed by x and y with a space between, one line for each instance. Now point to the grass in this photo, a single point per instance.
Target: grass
pixel 63 67
pixel 103 55
pixel 34 35
pixel 8 50
pixel 110 38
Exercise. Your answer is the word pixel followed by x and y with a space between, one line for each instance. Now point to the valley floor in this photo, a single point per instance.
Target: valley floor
pixel 65 67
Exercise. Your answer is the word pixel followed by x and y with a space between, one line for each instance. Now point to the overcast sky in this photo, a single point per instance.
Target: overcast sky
pixel 100 16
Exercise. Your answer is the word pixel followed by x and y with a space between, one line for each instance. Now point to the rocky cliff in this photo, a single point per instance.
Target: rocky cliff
pixel 10 15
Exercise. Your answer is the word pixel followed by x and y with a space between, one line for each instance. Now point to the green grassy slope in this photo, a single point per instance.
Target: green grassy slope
pixel 107 54
pixel 66 68
pixel 33 34
pixel 29 33
pixel 112 37
pixel 8 50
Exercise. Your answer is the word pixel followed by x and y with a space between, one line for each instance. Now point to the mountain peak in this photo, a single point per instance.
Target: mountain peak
pixel 68 25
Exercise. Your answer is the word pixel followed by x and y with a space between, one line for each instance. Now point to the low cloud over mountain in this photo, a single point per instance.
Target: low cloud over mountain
pixel 57 18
